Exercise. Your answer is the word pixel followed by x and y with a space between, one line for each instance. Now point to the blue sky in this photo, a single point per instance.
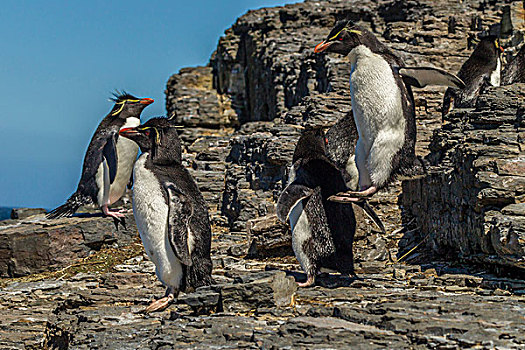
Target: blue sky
pixel 60 61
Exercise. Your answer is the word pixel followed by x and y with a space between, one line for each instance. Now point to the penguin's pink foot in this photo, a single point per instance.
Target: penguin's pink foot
pixel 343 198
pixel 309 282
pixel 161 304
pixel 353 196
pixel 113 213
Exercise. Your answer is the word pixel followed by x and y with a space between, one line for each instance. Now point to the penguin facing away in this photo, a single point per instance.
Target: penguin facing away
pixel 514 72
pixel 322 231
pixel 480 70
pixel 170 211
pixel 109 160
pixel 382 106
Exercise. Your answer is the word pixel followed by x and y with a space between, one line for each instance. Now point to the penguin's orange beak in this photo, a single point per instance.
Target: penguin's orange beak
pixel 322 46
pixel 129 131
pixel 147 101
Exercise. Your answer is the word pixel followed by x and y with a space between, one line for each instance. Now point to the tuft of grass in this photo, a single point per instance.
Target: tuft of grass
pixel 101 261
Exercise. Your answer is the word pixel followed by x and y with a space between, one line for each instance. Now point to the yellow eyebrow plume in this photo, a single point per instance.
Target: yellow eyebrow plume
pixel 358 32
pixel 122 107
pixel 157 134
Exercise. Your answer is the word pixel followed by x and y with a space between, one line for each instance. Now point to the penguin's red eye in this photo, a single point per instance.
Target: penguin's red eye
pixel 326 140
pixel 340 39
pixel 147 133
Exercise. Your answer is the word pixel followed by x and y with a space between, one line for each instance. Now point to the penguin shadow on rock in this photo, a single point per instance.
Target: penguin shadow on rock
pixel 170 211
pixel 108 162
pixel 382 105
pixel 481 70
pixel 322 231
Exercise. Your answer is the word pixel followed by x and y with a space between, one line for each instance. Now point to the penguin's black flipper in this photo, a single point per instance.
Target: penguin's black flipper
pixel 179 214
pixel 110 154
pixel 371 214
pixel 423 76
pixel 322 242
pixel 292 194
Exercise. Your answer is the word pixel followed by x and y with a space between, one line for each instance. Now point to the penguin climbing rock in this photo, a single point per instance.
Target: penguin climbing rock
pixel 170 211
pixel 322 231
pixel 109 160
pixel 382 106
pixel 482 69
pixel 514 72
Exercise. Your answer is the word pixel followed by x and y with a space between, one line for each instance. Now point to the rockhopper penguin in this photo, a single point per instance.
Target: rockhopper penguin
pixel 109 160
pixel 170 211
pixel 382 106
pixel 322 231
pixel 514 72
pixel 480 70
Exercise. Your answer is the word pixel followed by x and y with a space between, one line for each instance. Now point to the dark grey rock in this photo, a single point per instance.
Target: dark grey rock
pixel 268 236
pixel 24 213
pixel 469 205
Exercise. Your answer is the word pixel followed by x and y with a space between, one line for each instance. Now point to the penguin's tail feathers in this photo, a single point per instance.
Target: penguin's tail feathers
pixel 70 207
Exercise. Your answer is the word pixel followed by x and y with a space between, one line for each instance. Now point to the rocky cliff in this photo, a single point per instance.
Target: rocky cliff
pixel 76 283
pixel 264 79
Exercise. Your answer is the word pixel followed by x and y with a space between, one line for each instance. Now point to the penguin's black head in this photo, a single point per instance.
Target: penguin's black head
pixel 158 137
pixel 127 105
pixel 487 48
pixel 311 144
pixel 343 38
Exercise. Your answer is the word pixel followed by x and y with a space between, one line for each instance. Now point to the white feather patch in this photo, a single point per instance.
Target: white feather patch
pixel 378 113
pixel 301 231
pixel 495 76
pixel 127 151
pixel 151 215
pixel 102 181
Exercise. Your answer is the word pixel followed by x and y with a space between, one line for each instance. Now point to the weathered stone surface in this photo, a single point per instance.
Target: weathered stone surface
pixel 470 203
pixel 24 213
pixel 268 236
pixel 272 289
pixel 42 245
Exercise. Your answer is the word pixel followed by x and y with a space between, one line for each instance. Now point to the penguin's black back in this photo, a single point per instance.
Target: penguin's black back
pixel 87 188
pixel 314 169
pixel 108 126
pixel 475 73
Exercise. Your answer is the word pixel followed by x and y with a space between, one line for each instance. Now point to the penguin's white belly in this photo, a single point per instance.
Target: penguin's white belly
pixel 102 181
pixel 301 232
pixel 127 151
pixel 378 113
pixel 495 77
pixel 151 215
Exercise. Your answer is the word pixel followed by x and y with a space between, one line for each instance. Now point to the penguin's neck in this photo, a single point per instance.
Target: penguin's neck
pixel 130 122
pixel 358 53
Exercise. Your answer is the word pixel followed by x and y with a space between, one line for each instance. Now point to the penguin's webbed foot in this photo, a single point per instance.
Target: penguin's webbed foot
pixel 353 196
pixel 162 303
pixel 158 305
pixel 118 218
pixel 310 281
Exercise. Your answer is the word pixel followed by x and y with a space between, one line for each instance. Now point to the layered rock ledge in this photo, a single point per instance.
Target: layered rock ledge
pixel 78 284
pixel 471 205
